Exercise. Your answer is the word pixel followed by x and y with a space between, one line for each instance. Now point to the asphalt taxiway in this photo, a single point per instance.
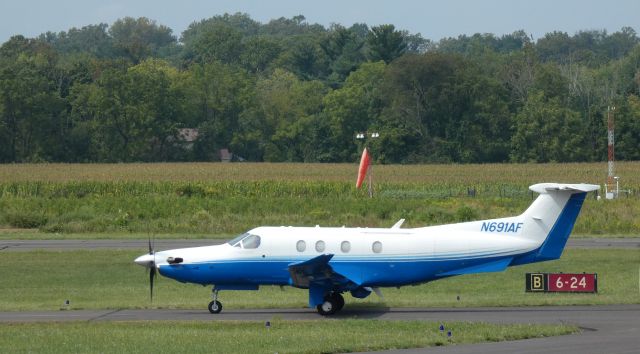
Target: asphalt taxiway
pixel 604 329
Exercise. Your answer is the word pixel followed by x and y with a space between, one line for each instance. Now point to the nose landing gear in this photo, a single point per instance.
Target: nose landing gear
pixel 332 303
pixel 215 306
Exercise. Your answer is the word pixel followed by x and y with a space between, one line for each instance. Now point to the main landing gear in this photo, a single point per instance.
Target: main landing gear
pixel 332 303
pixel 215 306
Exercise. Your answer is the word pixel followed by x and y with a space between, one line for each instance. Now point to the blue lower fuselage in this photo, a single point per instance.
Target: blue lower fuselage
pixel 373 273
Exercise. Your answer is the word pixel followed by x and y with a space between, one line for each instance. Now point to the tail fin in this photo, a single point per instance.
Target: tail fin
pixel 550 219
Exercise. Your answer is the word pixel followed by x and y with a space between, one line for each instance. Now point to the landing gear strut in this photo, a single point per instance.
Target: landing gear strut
pixel 215 306
pixel 332 303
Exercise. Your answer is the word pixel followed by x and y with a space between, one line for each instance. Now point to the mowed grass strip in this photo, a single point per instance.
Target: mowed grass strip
pixel 108 279
pixel 328 336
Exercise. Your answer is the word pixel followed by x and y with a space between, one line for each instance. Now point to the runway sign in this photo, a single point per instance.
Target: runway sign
pixel 536 282
pixel 562 282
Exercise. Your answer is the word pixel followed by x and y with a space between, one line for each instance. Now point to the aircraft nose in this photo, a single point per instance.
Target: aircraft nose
pixel 145 260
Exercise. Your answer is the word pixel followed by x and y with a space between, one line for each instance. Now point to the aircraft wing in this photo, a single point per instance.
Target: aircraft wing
pixel 316 270
pixel 317 275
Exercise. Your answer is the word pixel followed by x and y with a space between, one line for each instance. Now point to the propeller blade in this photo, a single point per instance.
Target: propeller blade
pixel 152 268
pixel 378 292
pixel 152 275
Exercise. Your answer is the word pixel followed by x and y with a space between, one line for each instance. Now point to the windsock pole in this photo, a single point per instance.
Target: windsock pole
pixel 370 181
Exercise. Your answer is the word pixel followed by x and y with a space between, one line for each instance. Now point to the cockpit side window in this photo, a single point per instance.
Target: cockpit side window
pixel 252 241
pixel 246 241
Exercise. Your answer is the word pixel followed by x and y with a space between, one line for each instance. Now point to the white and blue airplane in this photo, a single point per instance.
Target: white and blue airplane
pixel 330 261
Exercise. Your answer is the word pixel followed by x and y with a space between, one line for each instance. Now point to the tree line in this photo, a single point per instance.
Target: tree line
pixel 288 90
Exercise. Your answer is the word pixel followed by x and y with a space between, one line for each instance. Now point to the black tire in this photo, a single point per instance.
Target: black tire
pixel 339 301
pixel 215 307
pixel 328 307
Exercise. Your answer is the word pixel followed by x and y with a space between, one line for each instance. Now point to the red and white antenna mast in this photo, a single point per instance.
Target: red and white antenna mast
pixel 611 183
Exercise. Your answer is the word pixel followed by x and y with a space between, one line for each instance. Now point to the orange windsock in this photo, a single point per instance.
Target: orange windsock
pixel 365 161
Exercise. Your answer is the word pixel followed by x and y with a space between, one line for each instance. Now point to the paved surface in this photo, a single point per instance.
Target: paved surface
pixel 605 329
pixel 30 245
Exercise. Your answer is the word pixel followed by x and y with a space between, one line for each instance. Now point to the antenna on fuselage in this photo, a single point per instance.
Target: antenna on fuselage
pixel 398 224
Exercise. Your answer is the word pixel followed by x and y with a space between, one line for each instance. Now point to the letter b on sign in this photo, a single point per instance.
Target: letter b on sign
pixel 536 282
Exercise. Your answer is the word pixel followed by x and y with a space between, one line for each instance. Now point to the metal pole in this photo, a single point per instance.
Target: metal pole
pixel 370 180
pixel 610 148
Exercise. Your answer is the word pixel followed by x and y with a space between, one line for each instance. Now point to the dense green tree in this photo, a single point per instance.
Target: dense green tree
pixel 220 93
pixel 354 108
pixel 289 105
pixel 546 131
pixel 471 45
pixel 385 43
pixel 344 50
pixel 288 90
pixel 133 113
pixel 258 53
pixel 306 59
pixel 294 26
pixel 91 40
pixel 627 129
pixel 217 42
pixel 447 110
pixel 31 110
pixel 141 38
pixel 240 22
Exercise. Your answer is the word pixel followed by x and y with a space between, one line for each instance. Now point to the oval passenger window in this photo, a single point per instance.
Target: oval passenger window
pixel 377 247
pixel 301 246
pixel 320 246
pixel 345 246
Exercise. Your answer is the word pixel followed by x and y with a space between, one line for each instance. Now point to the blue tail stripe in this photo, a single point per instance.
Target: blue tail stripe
pixel 557 239
pixel 554 244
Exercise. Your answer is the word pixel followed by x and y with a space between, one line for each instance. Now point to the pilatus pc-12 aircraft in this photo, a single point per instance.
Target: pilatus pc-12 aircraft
pixel 330 261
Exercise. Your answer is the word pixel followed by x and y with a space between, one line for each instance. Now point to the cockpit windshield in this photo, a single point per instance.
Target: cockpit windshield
pixel 246 241
pixel 236 240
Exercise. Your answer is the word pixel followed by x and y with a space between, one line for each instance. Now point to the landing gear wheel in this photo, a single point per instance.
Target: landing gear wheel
pixel 332 303
pixel 339 301
pixel 215 306
pixel 327 307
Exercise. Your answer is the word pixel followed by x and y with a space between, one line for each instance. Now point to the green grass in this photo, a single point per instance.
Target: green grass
pixel 330 336
pixel 43 280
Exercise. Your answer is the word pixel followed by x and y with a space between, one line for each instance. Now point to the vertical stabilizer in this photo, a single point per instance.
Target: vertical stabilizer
pixel 551 217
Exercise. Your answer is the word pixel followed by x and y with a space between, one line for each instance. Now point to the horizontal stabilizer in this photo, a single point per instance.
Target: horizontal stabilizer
pixel 544 188
pixel 495 266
